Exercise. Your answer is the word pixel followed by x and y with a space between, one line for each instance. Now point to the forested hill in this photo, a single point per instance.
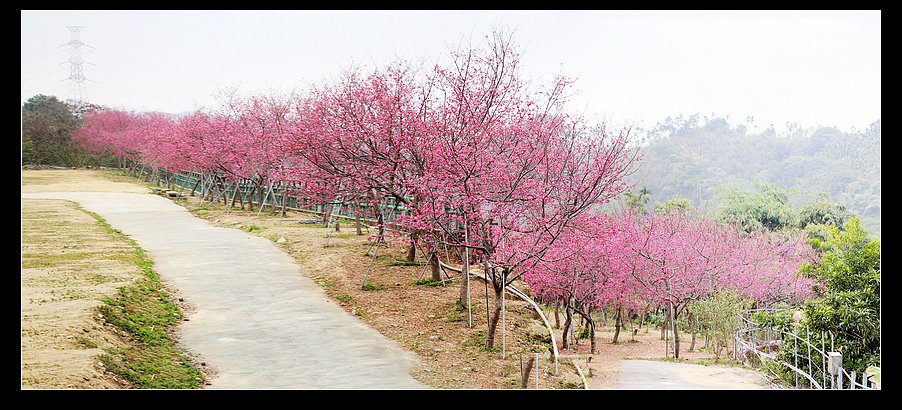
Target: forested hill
pixel 702 159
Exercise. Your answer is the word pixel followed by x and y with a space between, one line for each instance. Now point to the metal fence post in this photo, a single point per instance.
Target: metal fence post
pixel 795 356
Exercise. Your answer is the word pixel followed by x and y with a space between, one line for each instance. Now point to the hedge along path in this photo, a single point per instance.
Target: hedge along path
pixel 256 319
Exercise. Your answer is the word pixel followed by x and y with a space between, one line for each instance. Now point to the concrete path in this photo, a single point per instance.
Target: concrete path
pixel 655 375
pixel 258 321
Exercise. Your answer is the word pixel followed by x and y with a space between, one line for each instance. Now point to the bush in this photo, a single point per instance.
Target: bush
pixel 718 316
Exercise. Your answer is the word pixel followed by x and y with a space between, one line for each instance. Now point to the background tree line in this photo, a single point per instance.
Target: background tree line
pixel 708 160
pixel 47 128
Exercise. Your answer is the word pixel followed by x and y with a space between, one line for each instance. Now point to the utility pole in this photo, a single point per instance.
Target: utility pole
pixel 77 96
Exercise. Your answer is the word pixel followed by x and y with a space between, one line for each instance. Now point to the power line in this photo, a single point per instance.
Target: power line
pixel 34 73
pixel 35 57
pixel 151 82
pixel 156 66
pixel 42 86
pixel 125 91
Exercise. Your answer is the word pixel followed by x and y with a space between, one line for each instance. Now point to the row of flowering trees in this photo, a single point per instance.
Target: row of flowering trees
pixel 482 162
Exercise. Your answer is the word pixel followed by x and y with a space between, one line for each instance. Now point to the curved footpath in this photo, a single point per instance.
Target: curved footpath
pixel 657 375
pixel 257 320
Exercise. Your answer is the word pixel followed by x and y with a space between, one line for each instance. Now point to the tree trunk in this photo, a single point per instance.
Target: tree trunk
pixel 557 316
pixel 568 321
pixel 284 199
pixel 194 188
pixel 664 322
pixel 496 315
pixel 692 325
pixel 412 251
pixel 618 322
pixel 436 270
pixel 524 375
pixel 337 225
pixel 592 333
pixel 235 195
pixel 357 224
pixel 642 319
pixel 676 334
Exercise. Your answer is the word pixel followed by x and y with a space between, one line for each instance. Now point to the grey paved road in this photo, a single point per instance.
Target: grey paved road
pixel 258 321
pixel 655 375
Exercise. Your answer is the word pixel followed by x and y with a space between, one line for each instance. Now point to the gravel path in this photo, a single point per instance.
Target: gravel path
pixel 257 320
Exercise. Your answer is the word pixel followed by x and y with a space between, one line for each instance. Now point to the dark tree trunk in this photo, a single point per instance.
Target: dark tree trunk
pixel 592 335
pixel 496 315
pixel 664 323
pixel 194 188
pixel 284 200
pixel 412 251
pixel 436 270
pixel 524 375
pixel 692 325
pixel 618 323
pixel 642 318
pixel 357 224
pixel 337 225
pixel 568 321
pixel 557 316
pixel 676 334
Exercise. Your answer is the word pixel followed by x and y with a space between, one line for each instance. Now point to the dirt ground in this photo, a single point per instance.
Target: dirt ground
pixel 77 180
pixel 422 318
pixel 69 264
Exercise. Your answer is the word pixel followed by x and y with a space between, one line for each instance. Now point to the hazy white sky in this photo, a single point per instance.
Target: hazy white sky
pixel 808 67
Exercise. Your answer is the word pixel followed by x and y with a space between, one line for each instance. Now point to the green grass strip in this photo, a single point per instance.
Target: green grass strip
pixel 145 310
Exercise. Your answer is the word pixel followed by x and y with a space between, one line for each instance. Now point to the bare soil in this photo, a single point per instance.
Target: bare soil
pixel 69 264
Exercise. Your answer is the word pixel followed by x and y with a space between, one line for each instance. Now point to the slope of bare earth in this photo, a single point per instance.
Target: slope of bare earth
pixel 69 264
pixel 77 180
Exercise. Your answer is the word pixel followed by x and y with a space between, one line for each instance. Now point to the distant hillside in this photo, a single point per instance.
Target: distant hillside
pixel 698 161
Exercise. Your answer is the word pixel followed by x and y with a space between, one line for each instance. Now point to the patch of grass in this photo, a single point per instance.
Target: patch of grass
pixel 344 298
pixel 455 317
pixel 427 282
pixel 341 235
pixel 403 262
pixel 477 340
pixel 372 286
pixel 145 310
pixel 252 229
pixel 85 343
pixel 673 360
pixel 202 214
pixel 204 206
